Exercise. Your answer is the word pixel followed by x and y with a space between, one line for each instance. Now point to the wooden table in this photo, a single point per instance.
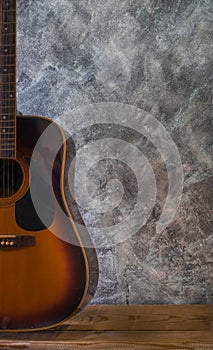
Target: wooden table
pixel 124 327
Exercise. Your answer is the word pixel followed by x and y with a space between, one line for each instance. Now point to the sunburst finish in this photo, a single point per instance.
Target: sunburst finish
pixel 44 283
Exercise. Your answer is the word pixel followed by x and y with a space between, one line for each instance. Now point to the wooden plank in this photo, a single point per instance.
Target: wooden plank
pixel 142 317
pixel 124 327
pixel 111 339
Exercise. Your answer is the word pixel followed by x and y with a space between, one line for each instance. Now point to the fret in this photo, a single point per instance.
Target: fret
pixel 6 132
pixel 6 119
pixel 10 146
pixel 11 112
pixel 6 11
pixel 7 39
pixel 10 4
pixel 5 22
pixel 7 87
pixel 5 104
pixel 4 140
pixel 9 100
pixel 7 60
pixel 7 146
pixel 4 149
pixel 7 109
pixel 7 50
pixel 9 44
pixel 8 139
pixel 6 125
pixel 7 69
pixel 7 129
pixel 7 78
pixel 8 28
pixel 7 97
pixel 6 94
pixel 3 120
pixel 4 35
pixel 9 149
pixel 7 154
pixel 5 116
pixel 3 84
pixel 6 54
pixel 4 90
pixel 8 16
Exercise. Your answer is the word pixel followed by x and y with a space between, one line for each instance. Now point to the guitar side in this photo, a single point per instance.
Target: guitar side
pixel 46 274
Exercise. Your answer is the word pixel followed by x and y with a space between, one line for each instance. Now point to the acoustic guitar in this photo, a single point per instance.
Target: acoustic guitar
pixel 46 274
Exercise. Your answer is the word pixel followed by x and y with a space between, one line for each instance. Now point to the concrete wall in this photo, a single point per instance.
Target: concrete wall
pixel 155 56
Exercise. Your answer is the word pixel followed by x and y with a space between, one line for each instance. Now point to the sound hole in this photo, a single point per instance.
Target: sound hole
pixel 11 177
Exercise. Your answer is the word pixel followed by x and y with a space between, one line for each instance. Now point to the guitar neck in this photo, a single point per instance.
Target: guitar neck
pixel 7 78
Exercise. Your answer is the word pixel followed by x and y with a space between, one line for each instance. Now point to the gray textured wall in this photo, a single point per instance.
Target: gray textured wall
pixel 154 55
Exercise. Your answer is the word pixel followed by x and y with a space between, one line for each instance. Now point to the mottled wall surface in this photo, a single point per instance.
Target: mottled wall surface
pixel 155 55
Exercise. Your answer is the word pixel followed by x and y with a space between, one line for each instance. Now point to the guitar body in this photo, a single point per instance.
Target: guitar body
pixel 45 272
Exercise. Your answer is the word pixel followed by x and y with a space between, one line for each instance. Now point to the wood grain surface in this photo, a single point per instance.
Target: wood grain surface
pixel 124 327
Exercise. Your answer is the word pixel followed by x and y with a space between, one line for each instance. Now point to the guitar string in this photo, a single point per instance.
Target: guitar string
pixel 5 137
pixel 7 105
pixel 13 101
pixel 8 163
pixel 2 93
pixel 14 91
pixel 2 161
pixel 2 182
pixel 10 77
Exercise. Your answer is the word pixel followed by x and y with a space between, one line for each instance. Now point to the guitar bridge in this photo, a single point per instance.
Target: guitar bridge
pixel 8 242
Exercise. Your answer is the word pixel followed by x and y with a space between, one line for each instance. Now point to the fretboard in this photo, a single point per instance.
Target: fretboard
pixel 7 78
